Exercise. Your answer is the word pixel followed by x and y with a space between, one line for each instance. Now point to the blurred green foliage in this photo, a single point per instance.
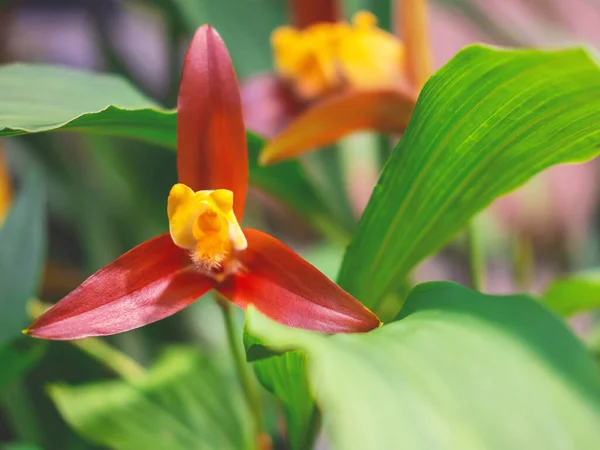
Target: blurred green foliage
pixel 485 123
pixel 23 243
pixel 445 369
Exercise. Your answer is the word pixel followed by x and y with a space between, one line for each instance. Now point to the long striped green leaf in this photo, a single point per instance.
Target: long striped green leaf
pixel 484 124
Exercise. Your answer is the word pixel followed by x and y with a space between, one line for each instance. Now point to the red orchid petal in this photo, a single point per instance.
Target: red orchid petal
pixel 325 122
pixel 307 12
pixel 268 103
pixel 211 139
pixel 146 284
pixel 289 290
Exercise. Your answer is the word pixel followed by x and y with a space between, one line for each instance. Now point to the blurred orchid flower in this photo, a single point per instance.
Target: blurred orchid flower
pixel 206 247
pixel 332 78
pixel 5 187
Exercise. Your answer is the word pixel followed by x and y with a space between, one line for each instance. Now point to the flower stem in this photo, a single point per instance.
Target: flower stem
pixel 241 366
pixel 523 262
pixel 361 166
pixel 117 361
pixel 476 256
pixel 412 20
pixel 107 355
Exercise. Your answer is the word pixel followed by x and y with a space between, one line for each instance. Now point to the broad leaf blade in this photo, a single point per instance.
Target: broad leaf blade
pixel 484 124
pixel 41 98
pixel 573 294
pixel 37 98
pixel 458 370
pixel 23 244
pixel 186 402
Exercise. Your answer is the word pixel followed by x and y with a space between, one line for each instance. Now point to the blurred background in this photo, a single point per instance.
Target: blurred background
pixel 106 195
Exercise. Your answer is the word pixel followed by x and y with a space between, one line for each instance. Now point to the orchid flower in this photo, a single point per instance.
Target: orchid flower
pixel 5 187
pixel 206 248
pixel 332 78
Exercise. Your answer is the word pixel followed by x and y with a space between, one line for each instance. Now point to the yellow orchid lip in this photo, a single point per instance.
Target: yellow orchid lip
pixel 204 223
pixel 326 56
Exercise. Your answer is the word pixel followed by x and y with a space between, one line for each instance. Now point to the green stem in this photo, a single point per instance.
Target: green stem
pixel 359 158
pixel 523 262
pixel 476 256
pixel 109 356
pixel 336 233
pixel 241 366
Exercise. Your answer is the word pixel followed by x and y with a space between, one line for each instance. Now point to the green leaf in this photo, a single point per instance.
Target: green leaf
pixel 23 244
pixel 484 124
pixel 285 377
pixel 574 294
pixel 186 402
pixel 39 98
pixel 458 369
pixel 16 361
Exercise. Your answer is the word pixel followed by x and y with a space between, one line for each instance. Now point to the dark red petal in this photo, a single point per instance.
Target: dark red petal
pixel 289 290
pixel 211 139
pixel 307 12
pixel 146 284
pixel 326 121
pixel 268 103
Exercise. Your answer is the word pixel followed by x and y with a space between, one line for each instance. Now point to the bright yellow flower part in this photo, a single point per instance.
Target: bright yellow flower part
pixel 326 56
pixel 204 223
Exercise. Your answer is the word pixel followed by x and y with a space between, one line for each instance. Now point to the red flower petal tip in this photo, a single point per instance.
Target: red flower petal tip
pixel 146 284
pixel 289 290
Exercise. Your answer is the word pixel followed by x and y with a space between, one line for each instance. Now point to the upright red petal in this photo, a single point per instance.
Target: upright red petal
pixel 307 12
pixel 289 290
pixel 146 284
pixel 211 139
